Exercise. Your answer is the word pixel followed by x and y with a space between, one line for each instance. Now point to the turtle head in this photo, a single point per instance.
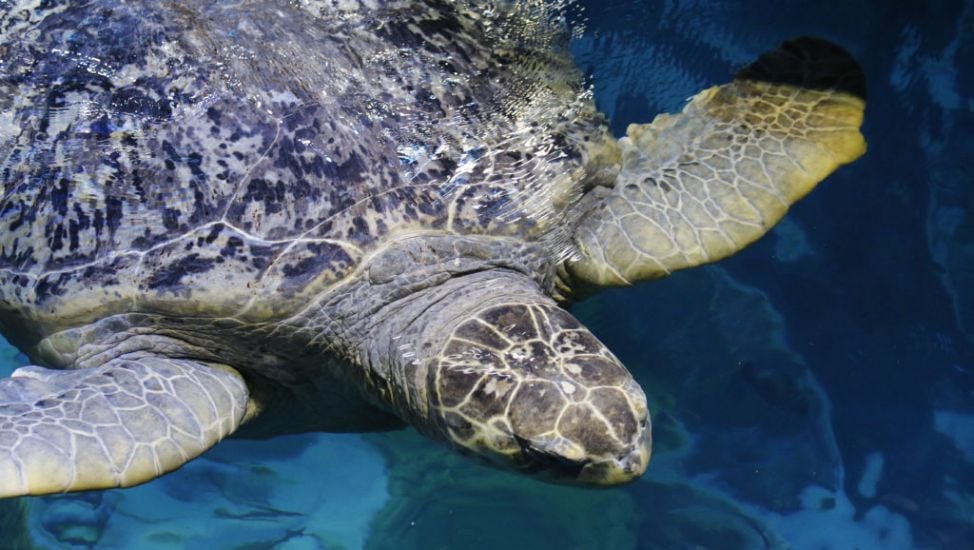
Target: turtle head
pixel 500 371
pixel 527 384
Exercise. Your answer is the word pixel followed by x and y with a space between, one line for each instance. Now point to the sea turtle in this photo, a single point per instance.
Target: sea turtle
pixel 346 215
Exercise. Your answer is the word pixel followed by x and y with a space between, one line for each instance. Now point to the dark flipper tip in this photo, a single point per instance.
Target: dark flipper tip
pixel 811 63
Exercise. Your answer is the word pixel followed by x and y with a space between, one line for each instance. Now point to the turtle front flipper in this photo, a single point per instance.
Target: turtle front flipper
pixel 698 186
pixel 116 425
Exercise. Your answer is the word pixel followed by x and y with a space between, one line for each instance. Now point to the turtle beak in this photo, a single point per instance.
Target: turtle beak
pixel 621 470
pixel 562 462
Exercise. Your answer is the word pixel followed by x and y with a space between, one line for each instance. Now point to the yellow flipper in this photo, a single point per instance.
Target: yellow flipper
pixel 700 185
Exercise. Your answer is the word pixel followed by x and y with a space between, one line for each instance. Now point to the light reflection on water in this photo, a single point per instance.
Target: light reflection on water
pixel 813 398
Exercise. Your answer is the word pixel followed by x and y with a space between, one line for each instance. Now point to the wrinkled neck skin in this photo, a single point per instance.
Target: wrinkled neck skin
pixel 388 321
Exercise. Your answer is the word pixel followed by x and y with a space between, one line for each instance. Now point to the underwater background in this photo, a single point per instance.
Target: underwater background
pixel 813 391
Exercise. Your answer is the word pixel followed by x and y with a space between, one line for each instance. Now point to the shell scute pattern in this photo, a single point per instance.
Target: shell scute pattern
pixel 152 153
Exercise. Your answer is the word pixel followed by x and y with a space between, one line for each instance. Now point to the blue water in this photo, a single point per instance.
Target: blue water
pixel 814 391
